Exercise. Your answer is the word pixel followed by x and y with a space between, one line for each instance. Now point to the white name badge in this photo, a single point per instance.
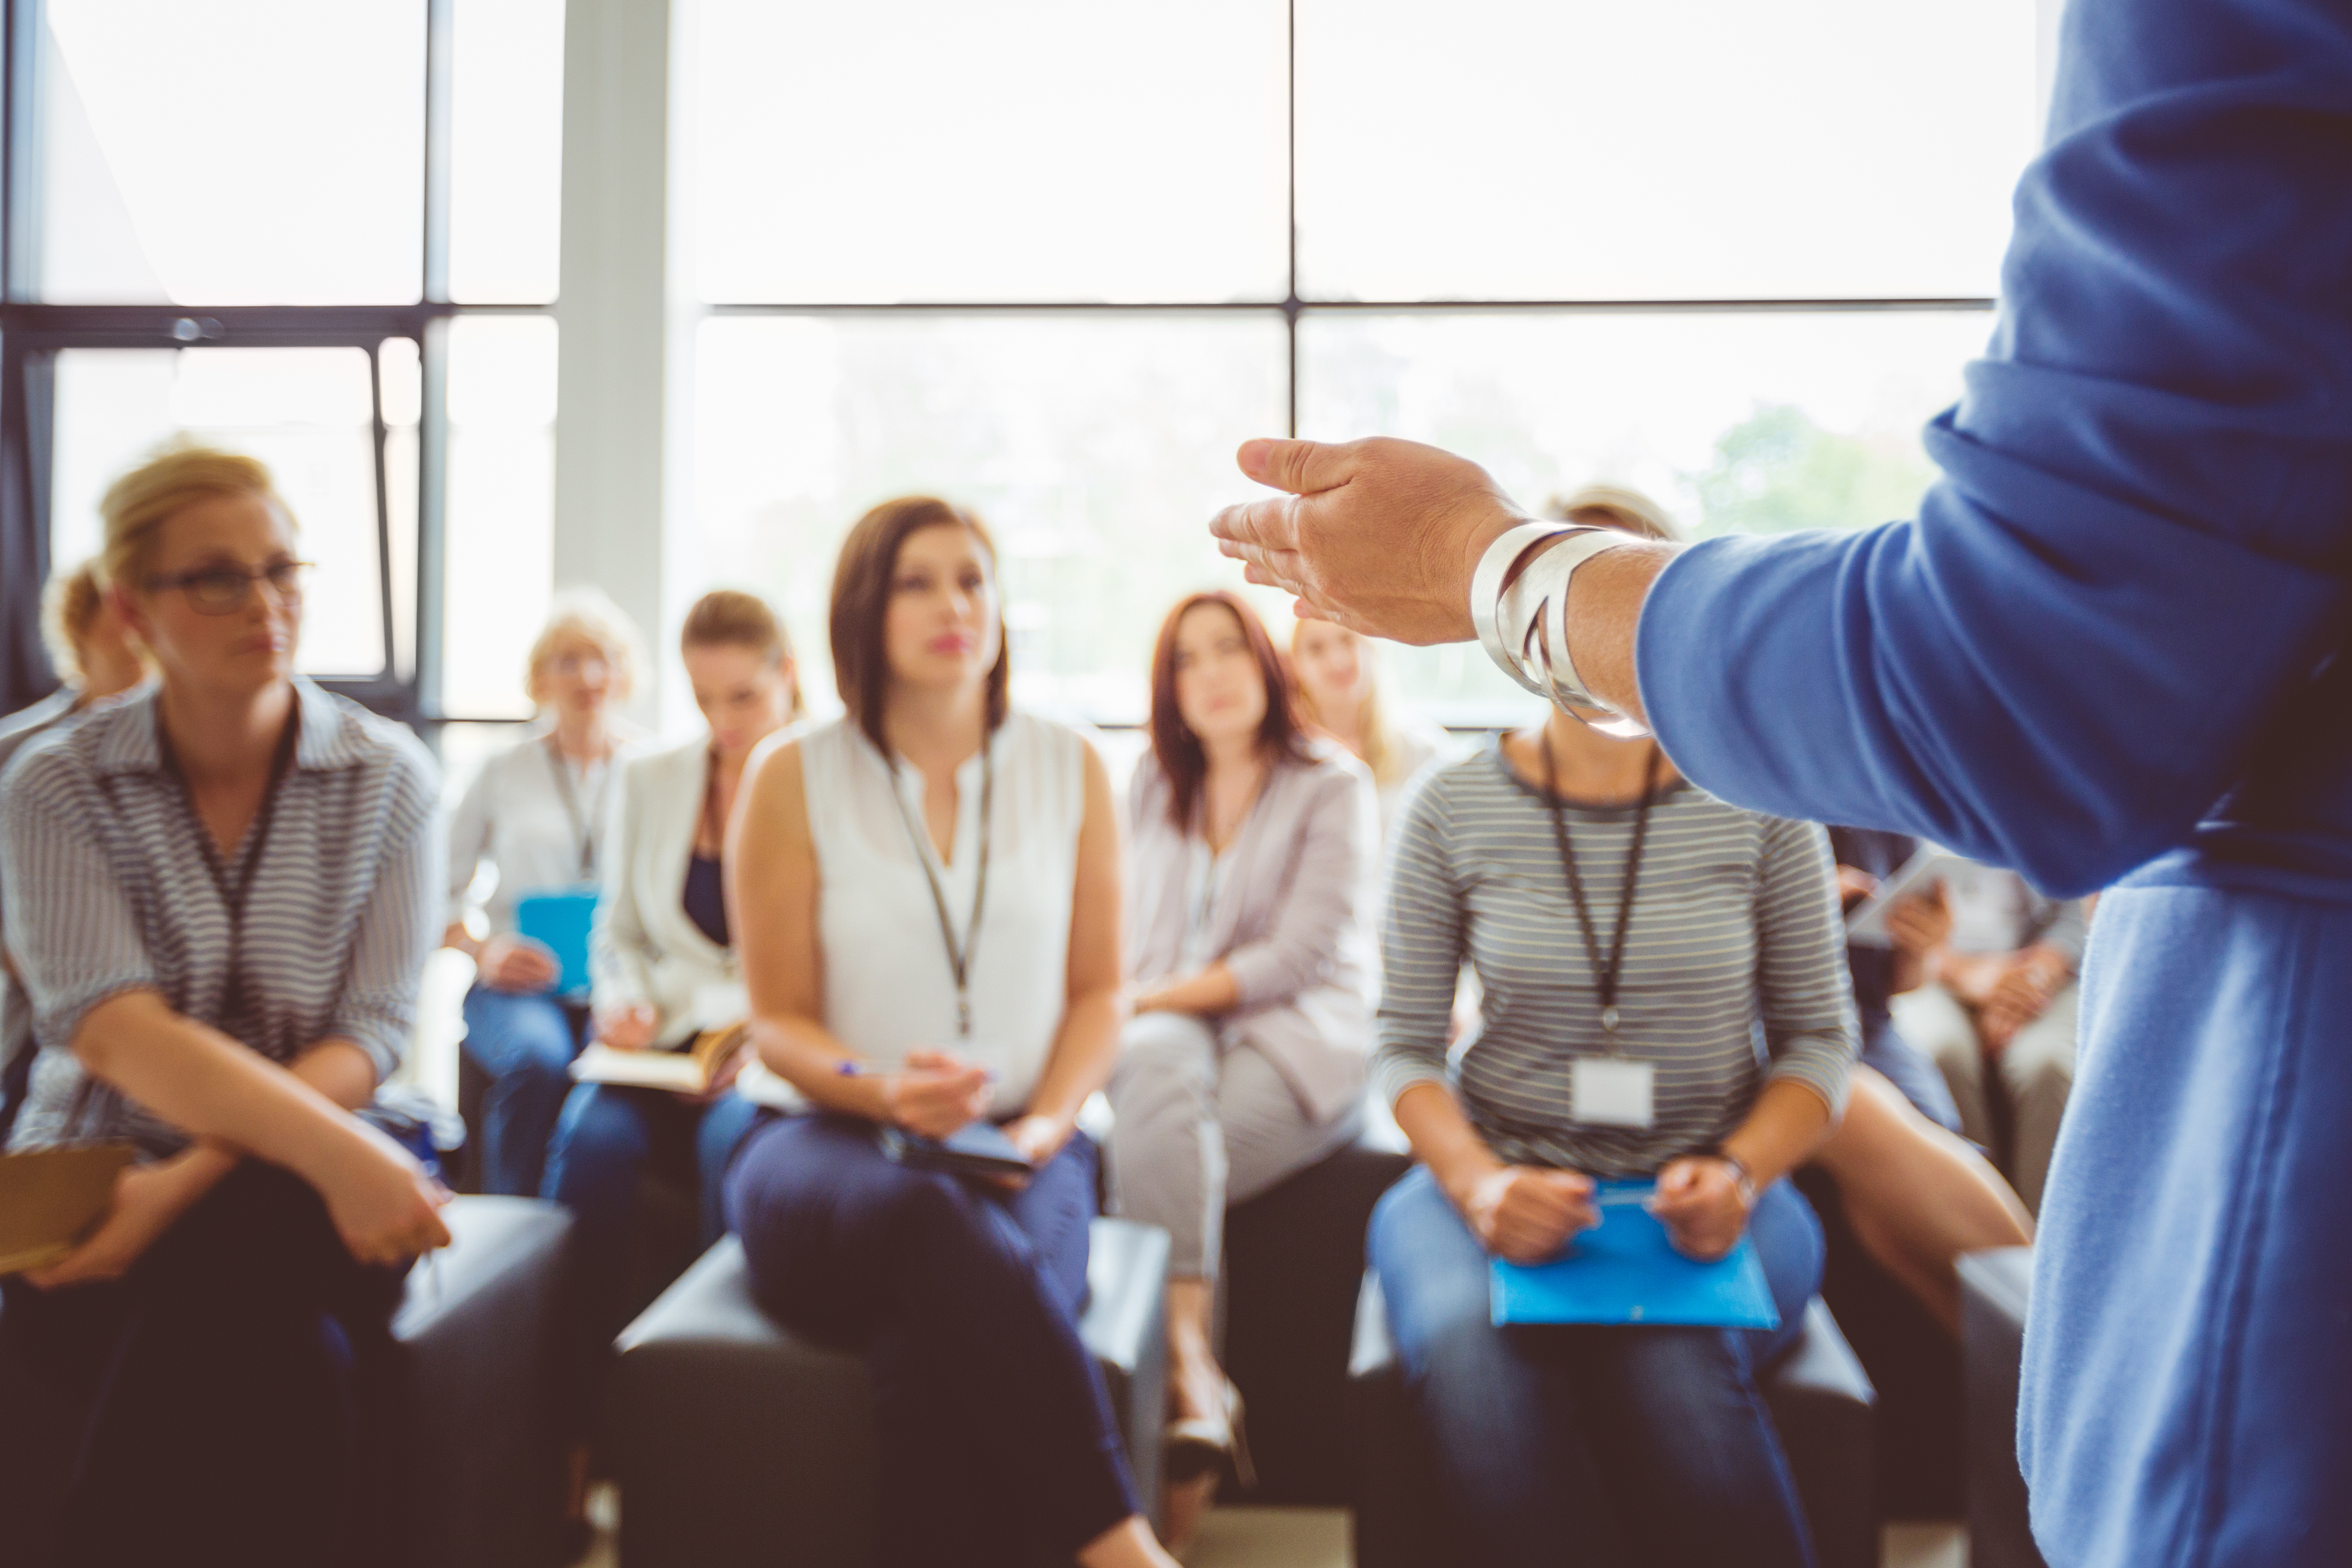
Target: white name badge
pixel 1610 1091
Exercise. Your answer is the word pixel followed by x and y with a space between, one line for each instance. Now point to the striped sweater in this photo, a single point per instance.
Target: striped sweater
pixel 110 888
pixel 1733 971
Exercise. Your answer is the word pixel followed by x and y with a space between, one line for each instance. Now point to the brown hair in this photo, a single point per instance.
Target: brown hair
pixel 861 593
pixel 179 475
pixel 725 618
pixel 1279 733
pixel 68 609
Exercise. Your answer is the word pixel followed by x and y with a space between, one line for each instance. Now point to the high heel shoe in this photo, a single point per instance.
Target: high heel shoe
pixel 1195 1444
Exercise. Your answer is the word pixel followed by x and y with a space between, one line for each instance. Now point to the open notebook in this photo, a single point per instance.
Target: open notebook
pixel 686 1070
pixel 51 1199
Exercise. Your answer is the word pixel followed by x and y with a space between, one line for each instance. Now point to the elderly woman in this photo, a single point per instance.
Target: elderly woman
pixel 537 813
pixel 1248 902
pixel 221 892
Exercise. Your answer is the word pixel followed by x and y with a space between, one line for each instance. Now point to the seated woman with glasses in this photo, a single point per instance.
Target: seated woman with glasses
pixel 1248 907
pixel 221 893
pixel 537 814
pixel 665 969
pixel 927 896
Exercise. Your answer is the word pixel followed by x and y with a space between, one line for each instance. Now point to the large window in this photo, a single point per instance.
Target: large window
pixel 1059 259
pixel 323 234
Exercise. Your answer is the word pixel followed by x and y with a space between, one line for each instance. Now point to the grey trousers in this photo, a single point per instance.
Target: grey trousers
pixel 1203 1123
pixel 2035 1075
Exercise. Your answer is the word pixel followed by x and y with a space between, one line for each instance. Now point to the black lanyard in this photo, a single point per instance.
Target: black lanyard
pixel 583 827
pixel 235 890
pixel 959 953
pixel 1605 975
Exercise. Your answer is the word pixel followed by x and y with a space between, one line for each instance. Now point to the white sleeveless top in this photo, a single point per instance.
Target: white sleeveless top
pixel 888 983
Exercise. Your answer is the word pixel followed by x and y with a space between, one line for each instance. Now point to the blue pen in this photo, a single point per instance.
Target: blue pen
pixel 850 1067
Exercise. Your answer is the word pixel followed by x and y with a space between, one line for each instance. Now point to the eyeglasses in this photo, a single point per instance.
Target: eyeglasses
pixel 223 590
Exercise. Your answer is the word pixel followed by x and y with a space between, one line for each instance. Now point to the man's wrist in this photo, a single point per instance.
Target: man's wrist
pixel 1475 547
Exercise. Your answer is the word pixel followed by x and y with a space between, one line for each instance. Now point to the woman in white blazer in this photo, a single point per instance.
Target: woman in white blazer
pixel 663 964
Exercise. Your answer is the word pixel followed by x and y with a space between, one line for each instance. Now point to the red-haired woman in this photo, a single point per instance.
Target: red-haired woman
pixel 1247 901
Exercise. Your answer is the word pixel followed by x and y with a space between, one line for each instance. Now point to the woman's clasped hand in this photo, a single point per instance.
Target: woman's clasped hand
pixel 1526 1214
pixel 385 1207
pixel 517 965
pixel 1703 1204
pixel 937 1093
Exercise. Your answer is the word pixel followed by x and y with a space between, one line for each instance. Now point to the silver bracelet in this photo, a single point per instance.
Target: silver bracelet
pixel 1524 627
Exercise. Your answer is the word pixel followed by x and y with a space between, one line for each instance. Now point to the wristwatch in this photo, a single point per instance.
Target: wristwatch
pixel 1519 602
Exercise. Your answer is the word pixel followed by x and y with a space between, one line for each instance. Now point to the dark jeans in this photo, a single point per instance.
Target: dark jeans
pixel 526 1044
pixel 1597 1444
pixel 997 1440
pixel 606 1140
pixel 235 1398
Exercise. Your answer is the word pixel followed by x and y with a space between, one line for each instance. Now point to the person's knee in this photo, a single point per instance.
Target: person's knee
pixel 1161 1054
pixel 1162 1092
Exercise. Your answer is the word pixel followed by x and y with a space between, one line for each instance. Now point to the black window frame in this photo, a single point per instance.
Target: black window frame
pixel 33 332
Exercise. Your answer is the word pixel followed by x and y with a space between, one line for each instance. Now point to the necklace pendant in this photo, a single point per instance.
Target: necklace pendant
pixel 963 1018
pixel 1609 1018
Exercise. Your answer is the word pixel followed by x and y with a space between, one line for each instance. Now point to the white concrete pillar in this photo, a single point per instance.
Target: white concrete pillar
pixel 611 432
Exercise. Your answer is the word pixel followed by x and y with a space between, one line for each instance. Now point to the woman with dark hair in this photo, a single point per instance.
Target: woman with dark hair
pixel 926 899
pixel 1246 1058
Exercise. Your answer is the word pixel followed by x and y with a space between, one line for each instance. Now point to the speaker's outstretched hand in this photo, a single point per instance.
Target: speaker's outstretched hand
pixel 1379 535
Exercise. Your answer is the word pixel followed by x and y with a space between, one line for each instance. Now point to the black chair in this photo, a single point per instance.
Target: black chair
pixel 1995 1289
pixel 736 1442
pixel 1820 1401
pixel 1294 1260
pixel 481 1325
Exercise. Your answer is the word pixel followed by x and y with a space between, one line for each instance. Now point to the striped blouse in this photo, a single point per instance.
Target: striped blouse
pixel 109 886
pixel 1734 970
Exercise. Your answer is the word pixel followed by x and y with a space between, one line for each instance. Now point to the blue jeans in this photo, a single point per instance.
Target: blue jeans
pixel 996 1434
pixel 1600 1445
pixel 602 1144
pixel 526 1043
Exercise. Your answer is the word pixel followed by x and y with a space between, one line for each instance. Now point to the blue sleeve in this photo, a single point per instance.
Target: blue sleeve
pixel 2136 557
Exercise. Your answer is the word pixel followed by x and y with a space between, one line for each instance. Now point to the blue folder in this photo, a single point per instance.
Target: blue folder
pixel 1626 1271
pixel 560 920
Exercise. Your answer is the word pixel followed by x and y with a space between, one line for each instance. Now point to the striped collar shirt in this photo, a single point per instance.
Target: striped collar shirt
pixel 1734 969
pixel 114 885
